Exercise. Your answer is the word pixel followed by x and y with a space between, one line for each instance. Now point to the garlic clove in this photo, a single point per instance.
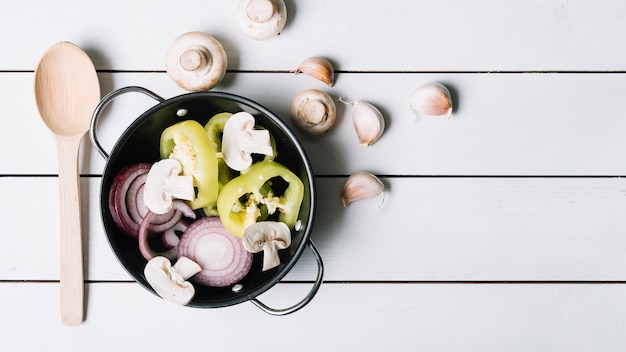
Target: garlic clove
pixel 432 99
pixel 313 111
pixel 362 185
pixel 368 121
pixel 319 68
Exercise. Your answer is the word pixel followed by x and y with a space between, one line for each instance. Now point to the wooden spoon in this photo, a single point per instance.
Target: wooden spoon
pixel 67 92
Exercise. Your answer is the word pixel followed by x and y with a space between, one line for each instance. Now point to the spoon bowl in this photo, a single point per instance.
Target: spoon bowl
pixel 67 91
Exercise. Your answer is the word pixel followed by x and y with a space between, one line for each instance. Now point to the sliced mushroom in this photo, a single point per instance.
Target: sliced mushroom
pixel 196 61
pixel 261 19
pixel 313 111
pixel 269 237
pixel 164 184
pixel 170 282
pixel 240 139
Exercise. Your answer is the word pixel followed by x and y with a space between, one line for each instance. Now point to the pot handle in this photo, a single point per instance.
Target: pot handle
pixel 103 103
pixel 309 296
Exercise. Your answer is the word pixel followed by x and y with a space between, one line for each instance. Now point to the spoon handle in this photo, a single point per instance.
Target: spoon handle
pixel 71 276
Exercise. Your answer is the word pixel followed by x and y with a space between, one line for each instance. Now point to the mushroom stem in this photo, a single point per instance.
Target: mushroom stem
pixel 260 11
pixel 269 237
pixel 270 256
pixel 186 268
pixel 194 60
pixel 314 111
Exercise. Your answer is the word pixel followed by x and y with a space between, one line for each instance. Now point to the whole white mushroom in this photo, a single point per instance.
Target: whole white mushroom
pixel 261 19
pixel 196 61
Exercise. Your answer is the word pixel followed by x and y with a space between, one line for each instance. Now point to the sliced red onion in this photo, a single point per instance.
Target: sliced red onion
pixel 127 206
pixel 143 233
pixel 132 198
pixel 170 239
pixel 221 255
pixel 138 210
pixel 117 197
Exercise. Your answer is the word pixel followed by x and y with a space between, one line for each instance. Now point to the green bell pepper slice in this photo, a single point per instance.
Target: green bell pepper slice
pixel 187 142
pixel 266 190
pixel 215 129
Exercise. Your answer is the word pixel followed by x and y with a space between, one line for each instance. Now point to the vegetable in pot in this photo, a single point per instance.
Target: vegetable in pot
pixel 266 186
pixel 221 256
pixel 187 142
pixel 126 202
pixel 215 130
pixel 269 237
pixel 164 184
pixel 264 191
pixel 215 127
pixel 142 236
pixel 170 282
pixel 240 140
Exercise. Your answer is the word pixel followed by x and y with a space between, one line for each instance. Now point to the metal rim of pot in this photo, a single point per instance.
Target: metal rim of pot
pixel 249 294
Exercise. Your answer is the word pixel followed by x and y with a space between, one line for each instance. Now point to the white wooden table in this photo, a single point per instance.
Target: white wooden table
pixel 503 228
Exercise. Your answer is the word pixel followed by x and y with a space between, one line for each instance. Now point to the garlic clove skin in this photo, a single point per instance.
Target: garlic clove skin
pixel 319 68
pixel 368 121
pixel 362 185
pixel 313 111
pixel 432 99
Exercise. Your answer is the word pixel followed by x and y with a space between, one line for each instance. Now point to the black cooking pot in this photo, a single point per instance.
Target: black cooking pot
pixel 140 143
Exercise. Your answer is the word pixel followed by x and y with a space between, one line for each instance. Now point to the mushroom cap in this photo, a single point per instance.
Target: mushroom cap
pixel 261 19
pixel 196 61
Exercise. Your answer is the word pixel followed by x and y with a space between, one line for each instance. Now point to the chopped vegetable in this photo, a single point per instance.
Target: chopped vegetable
pixel 240 139
pixel 269 237
pixel 164 184
pixel 188 143
pixel 215 131
pixel 215 128
pixel 193 167
pixel 169 281
pixel 126 202
pixel 221 256
pixel 142 236
pixel 242 200
pixel 117 197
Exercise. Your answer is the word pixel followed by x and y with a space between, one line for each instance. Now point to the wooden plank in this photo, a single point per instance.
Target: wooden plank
pixel 405 35
pixel 504 124
pixel 364 317
pixel 428 229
